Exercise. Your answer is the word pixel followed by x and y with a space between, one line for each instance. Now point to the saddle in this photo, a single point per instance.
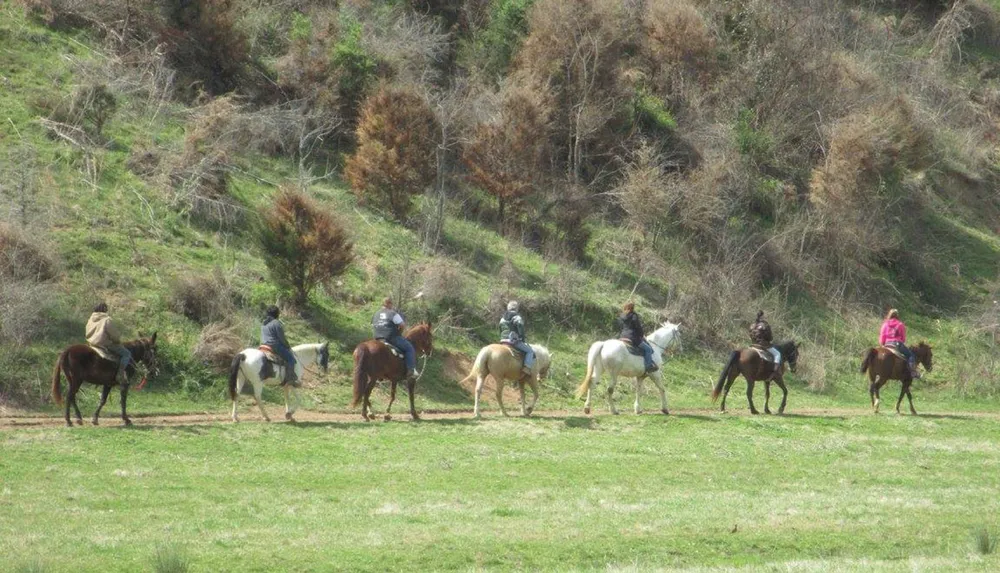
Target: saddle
pixel 764 352
pixel 270 355
pixel 513 350
pixel 632 349
pixel 104 353
pixel 395 351
pixel 896 351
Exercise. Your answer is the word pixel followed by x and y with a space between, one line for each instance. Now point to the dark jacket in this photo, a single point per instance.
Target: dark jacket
pixel 383 323
pixel 760 331
pixel 631 328
pixel 512 327
pixel 272 334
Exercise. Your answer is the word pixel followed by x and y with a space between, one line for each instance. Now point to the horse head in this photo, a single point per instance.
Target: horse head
pixel 421 338
pixel 665 335
pixel 144 350
pixel 323 357
pixel 790 350
pixel 924 355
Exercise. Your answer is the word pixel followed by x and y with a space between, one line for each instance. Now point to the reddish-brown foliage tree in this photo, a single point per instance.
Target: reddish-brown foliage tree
pixel 506 153
pixel 395 156
pixel 302 245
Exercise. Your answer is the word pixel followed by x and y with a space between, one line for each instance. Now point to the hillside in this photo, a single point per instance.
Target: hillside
pixel 820 160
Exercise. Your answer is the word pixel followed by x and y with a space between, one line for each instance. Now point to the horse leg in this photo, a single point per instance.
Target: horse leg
pixel 725 391
pixel 411 390
pixel 74 387
pixel 499 382
pixel 750 383
pixel 534 398
pixel 871 391
pixel 289 389
pixel 594 382
pixel 909 396
pixel 767 396
pixel 240 382
pixel 392 398
pixel 637 407
pixel 784 394
pixel 366 405
pixel 611 393
pixel 258 390
pixel 878 394
pixel 658 382
pixel 480 380
pixel 104 398
pixel 124 395
pixel 524 407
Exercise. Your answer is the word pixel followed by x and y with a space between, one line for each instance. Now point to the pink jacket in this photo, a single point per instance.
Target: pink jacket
pixel 893 330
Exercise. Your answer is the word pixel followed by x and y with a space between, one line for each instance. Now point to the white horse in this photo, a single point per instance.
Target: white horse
pixel 613 357
pixel 250 365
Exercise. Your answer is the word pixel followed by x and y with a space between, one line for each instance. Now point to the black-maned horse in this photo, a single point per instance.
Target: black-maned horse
pixel 81 363
pixel 749 363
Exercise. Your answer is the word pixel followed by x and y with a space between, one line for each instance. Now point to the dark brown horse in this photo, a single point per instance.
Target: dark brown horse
pixel 749 363
pixel 882 365
pixel 373 361
pixel 81 363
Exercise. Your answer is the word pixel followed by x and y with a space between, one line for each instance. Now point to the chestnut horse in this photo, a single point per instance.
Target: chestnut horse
pixel 373 361
pixel 749 363
pixel 882 365
pixel 81 363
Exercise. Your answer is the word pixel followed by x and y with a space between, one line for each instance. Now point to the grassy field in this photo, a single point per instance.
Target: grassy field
pixel 812 492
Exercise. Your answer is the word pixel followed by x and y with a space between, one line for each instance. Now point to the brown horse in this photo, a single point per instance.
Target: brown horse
pixel 882 365
pixel 749 363
pixel 373 361
pixel 81 363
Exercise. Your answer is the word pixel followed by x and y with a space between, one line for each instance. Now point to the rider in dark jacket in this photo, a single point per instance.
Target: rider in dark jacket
pixel 631 330
pixel 760 335
pixel 272 335
pixel 512 333
pixel 388 326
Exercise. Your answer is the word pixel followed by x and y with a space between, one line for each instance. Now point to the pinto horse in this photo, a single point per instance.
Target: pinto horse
pixel 749 363
pixel 251 365
pixel 81 363
pixel 882 365
pixel 373 361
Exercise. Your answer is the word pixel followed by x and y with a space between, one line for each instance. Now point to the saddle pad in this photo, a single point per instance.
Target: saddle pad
pixel 104 353
pixel 395 351
pixel 764 353
pixel 632 349
pixel 895 351
pixel 270 355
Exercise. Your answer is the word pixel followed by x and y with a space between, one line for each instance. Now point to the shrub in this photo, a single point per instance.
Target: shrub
pixel 21 259
pixel 444 283
pixel 171 559
pixel 302 245
pixel 677 35
pixel 205 45
pixel 202 298
pixel 395 156
pixel 220 341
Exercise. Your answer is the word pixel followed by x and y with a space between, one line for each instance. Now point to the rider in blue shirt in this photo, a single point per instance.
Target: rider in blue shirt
pixel 272 334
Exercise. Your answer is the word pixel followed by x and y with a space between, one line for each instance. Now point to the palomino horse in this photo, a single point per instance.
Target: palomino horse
pixel 613 357
pixel 251 364
pixel 749 363
pixel 504 363
pixel 81 363
pixel 882 365
pixel 374 361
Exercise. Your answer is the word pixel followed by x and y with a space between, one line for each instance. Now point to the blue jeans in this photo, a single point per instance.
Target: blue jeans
pixel 409 353
pixel 647 354
pixel 124 356
pixel 286 354
pixel 911 358
pixel 529 354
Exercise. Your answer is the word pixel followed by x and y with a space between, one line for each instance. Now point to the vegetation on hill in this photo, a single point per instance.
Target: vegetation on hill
pixel 821 160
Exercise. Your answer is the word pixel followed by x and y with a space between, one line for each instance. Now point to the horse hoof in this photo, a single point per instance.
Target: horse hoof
pixel 665 412
pixel 529 411
pixel 755 412
pixel 387 417
pixel 615 413
pixel 415 417
pixel 586 411
pixel 69 424
pixel 268 420
pixel 79 422
pixel 94 422
pixel 288 416
pixel 128 422
pixel 766 411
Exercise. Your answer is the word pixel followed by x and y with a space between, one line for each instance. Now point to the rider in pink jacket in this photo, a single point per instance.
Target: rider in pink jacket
pixel 893 334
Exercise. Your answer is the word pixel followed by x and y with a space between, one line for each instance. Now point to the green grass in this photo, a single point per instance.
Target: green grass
pixel 605 493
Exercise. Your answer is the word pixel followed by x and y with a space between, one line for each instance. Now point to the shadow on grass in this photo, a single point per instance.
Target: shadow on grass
pixel 940 416
pixel 579 422
pixel 699 417
pixel 808 416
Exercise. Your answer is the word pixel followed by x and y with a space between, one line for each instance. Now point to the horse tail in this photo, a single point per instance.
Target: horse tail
pixel 480 365
pixel 592 356
pixel 234 373
pixel 57 378
pixel 733 359
pixel 360 359
pixel 868 361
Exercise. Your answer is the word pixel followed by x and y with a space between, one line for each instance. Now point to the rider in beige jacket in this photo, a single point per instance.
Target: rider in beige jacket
pixel 103 333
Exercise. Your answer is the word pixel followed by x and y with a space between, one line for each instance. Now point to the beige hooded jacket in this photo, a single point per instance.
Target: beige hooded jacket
pixel 102 332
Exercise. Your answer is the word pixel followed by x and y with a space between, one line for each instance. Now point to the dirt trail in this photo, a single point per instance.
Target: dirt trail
pixel 28 420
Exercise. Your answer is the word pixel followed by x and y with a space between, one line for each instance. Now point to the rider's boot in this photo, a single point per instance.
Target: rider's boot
pixel 652 368
pixel 413 375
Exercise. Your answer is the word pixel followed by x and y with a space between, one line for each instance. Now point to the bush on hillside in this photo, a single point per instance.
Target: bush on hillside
pixel 678 37
pixel 205 45
pixel 25 293
pixel 395 155
pixel 22 259
pixel 203 298
pixel 220 341
pixel 302 245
